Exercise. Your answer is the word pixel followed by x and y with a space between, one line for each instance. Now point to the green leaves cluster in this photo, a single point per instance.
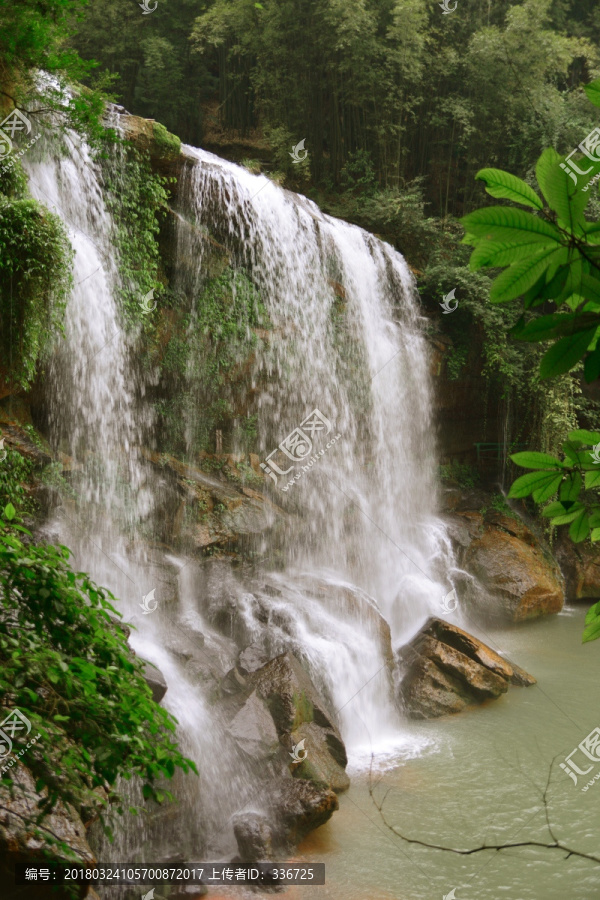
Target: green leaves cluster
pixel 35 280
pixel 550 257
pixel 578 472
pixel 573 482
pixel 65 663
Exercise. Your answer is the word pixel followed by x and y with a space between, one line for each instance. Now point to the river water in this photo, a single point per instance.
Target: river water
pixel 478 777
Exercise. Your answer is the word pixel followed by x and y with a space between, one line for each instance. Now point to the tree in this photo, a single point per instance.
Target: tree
pixel 66 666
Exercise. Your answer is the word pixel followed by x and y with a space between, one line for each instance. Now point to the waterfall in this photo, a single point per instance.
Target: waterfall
pixel 363 546
pixel 347 340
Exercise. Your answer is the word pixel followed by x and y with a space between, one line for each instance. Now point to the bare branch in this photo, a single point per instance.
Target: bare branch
pixel 555 845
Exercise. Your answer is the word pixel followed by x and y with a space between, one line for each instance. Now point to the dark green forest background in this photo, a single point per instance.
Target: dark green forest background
pixel 389 94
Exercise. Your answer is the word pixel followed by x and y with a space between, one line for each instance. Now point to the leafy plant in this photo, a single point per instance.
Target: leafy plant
pixel 66 665
pixel 573 482
pixel 35 278
pixel 549 256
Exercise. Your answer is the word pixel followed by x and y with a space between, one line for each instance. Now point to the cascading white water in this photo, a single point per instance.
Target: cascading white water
pixel 347 340
pixel 364 544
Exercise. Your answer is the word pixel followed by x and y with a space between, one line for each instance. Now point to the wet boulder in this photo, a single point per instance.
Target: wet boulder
pixel 297 808
pixel 254 837
pixel 321 757
pixel 253 729
pixel 300 715
pixel 580 565
pixel 516 577
pixel 155 680
pixel 289 693
pixel 448 670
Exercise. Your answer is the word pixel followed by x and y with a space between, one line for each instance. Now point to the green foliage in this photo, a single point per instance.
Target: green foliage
pixel 137 199
pixel 35 280
pixel 35 36
pixel 15 475
pixel 66 665
pixel 552 258
pixel 204 358
pixel 463 474
pixel 574 482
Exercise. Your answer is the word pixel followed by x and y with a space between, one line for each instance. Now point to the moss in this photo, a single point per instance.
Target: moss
pixel 35 279
pixel 304 710
pixel 166 145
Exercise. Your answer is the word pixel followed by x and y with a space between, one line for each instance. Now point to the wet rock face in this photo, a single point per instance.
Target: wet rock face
pixel 155 680
pixel 580 565
pixel 280 721
pixel 450 670
pixel 22 843
pixel 254 837
pixel 517 577
pixel 298 807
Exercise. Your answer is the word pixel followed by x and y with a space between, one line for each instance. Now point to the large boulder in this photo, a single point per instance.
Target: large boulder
pixel 254 837
pixel 298 807
pixel 447 670
pixel 292 698
pixel 516 575
pixel 23 842
pixel 253 729
pixel 322 756
pixel 155 680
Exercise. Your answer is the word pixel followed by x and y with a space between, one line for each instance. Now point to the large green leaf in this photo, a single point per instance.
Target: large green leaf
pixel 593 91
pixel 508 187
pixel 555 325
pixel 503 223
pixel 592 479
pixel 533 481
pixel 515 280
pixel 554 509
pixel 531 459
pixel 591 631
pixel 580 527
pixel 545 491
pixel 487 253
pixel 565 353
pixel 595 535
pixel 585 436
pixel 545 164
pixel 571 487
pixel 563 520
pixel 563 196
